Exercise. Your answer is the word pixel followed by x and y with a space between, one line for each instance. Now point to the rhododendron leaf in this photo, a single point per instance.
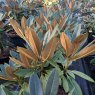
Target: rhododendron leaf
pixel 16 27
pixel 77 42
pixel 34 42
pixel 84 52
pixel 29 54
pixel 24 60
pixel 49 49
pixel 18 62
pixel 9 71
pixel 66 44
pixel 23 23
pixel 54 23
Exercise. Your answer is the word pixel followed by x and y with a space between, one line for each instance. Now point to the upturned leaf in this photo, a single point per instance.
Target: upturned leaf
pixel 65 84
pixel 66 44
pixel 24 23
pixel 18 62
pixel 49 49
pixel 29 54
pixel 52 83
pixel 34 42
pixel 35 85
pixel 73 85
pixel 16 27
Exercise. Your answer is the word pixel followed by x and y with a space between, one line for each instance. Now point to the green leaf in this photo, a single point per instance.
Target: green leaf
pixel 35 85
pixel 73 85
pixel 83 75
pixel 54 64
pixel 15 54
pixel 71 74
pixel 30 20
pixel 23 72
pixel 2 91
pixel 15 92
pixel 65 84
pixel 7 91
pixel 52 83
pixel 25 88
pixel 71 92
pixel 92 61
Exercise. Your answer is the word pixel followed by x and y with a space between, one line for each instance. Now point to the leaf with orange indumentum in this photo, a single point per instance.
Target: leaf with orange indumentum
pixel 78 41
pixel 24 23
pixel 34 42
pixel 84 52
pixel 54 23
pixel 28 53
pixel 48 51
pixel 9 74
pixel 61 22
pixel 9 71
pixel 66 44
pixel 16 27
pixel 71 4
pixel 6 78
pixel 1 24
pixel 18 62
pixel 49 27
pixel 24 60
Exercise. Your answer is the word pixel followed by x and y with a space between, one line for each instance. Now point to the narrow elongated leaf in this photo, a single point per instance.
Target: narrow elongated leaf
pixel 52 83
pixel 54 23
pixel 23 72
pixel 62 22
pixel 18 62
pixel 16 27
pixel 2 92
pixel 34 42
pixel 80 74
pixel 15 54
pixel 27 53
pixel 84 52
pixel 80 38
pixel 25 60
pixel 23 23
pixel 7 91
pixel 6 78
pixel 73 85
pixel 9 71
pixel 49 49
pixel 77 42
pixel 65 84
pixel 35 85
pixel 71 74
pixel 66 43
pixel 30 20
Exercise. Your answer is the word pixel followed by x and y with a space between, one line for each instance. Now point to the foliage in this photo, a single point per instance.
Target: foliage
pixel 52 44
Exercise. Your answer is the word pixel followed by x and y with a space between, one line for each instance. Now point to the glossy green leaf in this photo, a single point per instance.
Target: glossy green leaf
pixel 52 83
pixel 73 85
pixel 30 20
pixel 92 61
pixel 2 92
pixel 65 84
pixel 35 85
pixel 23 72
pixel 7 91
pixel 83 75
pixel 71 74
